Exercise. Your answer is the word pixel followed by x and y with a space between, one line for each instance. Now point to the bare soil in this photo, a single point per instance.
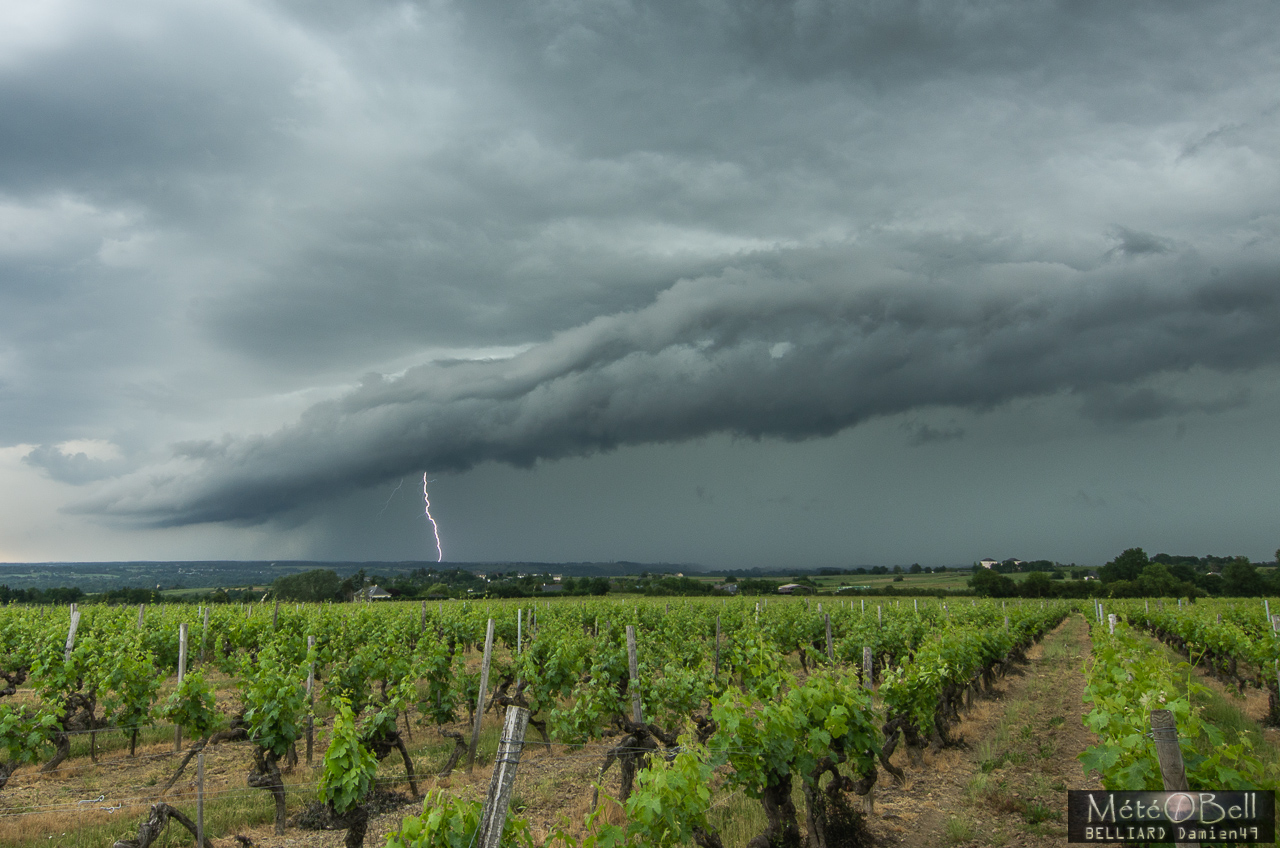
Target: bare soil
pixel 1006 785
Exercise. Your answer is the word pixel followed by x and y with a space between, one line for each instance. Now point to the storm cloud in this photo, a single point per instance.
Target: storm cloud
pixel 554 231
pixel 703 359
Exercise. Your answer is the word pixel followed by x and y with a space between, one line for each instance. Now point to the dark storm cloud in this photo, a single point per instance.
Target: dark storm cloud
pixel 920 433
pixel 1134 243
pixel 775 220
pixel 789 349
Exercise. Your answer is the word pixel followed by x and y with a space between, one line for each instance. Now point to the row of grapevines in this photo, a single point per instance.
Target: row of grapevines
pixel 1125 681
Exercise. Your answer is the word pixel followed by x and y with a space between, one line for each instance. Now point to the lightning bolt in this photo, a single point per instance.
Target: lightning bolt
pixel 392 495
pixel 435 528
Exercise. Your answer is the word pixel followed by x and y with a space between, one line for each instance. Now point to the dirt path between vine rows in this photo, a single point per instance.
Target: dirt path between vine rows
pixel 1006 786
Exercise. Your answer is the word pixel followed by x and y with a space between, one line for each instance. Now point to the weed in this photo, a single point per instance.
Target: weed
pixel 959 830
pixel 978 788
pixel 1036 812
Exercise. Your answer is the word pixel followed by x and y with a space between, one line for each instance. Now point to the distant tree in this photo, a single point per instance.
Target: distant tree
pixel 319 584
pixel 758 587
pixel 599 585
pixel 1241 579
pixel 1037 585
pixel 915 568
pixel 992 584
pixel 1127 566
pixel 351 587
pixel 1211 584
pixel 1156 581
pixel 62 595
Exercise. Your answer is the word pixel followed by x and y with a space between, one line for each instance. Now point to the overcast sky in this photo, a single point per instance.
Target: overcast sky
pixel 730 283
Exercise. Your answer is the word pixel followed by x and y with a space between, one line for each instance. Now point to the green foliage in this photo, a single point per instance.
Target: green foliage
pixel 989 583
pixel 1128 566
pixel 349 766
pixel 823 718
pixel 25 732
pixel 131 683
pixel 1127 679
pixel 670 800
pixel 192 707
pixel 319 584
pixel 275 702
pixel 448 822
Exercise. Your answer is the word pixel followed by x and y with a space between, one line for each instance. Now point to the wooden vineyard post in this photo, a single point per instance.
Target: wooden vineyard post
pixel 311 688
pixel 519 629
pixel 879 616
pixel 71 633
pixel 866 667
pixel 182 672
pixel 1164 731
pixel 422 625
pixel 1111 622
pixel 831 650
pixel 494 816
pixel 484 685
pixel 142 608
pixel 275 616
pixel 637 713
pixel 200 799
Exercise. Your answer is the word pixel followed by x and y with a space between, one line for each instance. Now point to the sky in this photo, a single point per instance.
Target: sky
pixel 733 284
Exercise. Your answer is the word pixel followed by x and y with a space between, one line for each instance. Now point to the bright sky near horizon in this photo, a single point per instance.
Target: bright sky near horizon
pixel 740 284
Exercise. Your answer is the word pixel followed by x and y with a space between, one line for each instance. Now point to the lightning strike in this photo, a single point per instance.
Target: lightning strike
pixel 392 495
pixel 435 528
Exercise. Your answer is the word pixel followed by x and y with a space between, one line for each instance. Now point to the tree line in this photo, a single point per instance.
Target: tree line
pixel 1133 574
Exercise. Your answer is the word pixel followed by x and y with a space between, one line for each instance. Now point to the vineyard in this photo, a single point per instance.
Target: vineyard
pixel 720 722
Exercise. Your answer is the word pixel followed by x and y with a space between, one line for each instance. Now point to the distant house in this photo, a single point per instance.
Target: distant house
pixel 988 562
pixel 727 588
pixel 790 588
pixel 375 593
